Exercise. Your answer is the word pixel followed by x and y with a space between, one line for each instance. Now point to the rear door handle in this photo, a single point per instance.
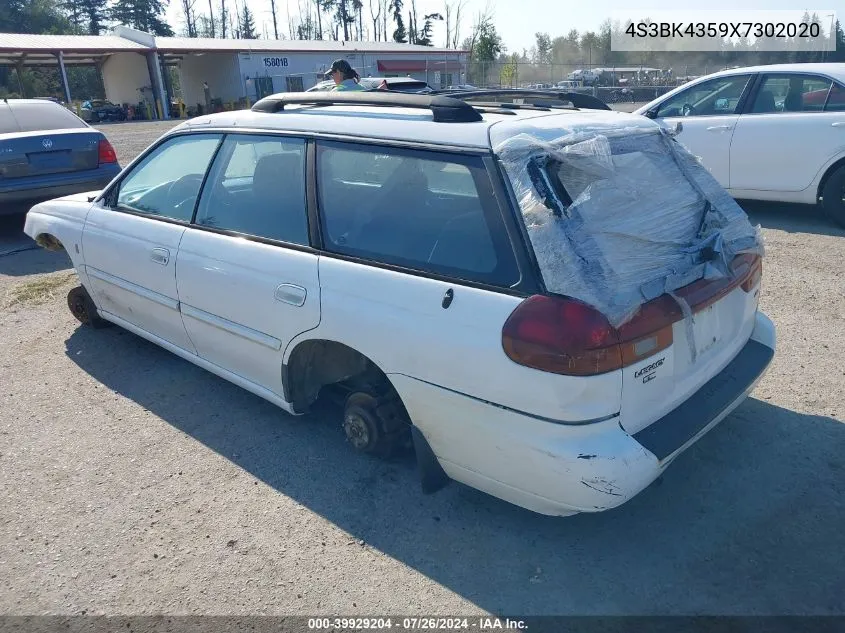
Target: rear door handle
pixel 292 294
pixel 838 124
pixel 160 256
pixel 719 128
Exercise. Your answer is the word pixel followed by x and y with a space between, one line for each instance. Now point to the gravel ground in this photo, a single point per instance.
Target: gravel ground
pixel 136 483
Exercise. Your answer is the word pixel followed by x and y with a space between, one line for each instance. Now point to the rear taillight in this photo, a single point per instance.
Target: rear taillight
pixel 565 336
pixel 106 153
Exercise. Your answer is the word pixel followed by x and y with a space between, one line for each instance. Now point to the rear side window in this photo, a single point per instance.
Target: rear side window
pixel 791 93
pixel 33 117
pixel 836 99
pixel 257 187
pixel 428 211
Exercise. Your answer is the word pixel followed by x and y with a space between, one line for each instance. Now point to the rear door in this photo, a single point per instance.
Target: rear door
pixel 131 238
pixel 247 277
pixel 43 138
pixel 788 133
pixel 708 112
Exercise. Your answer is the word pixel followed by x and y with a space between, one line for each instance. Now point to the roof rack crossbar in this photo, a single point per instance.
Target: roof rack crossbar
pixel 577 99
pixel 444 109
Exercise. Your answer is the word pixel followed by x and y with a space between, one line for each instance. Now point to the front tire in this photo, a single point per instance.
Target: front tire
pixel 83 309
pixel 833 196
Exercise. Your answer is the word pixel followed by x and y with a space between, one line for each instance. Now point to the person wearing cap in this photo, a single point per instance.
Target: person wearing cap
pixel 344 76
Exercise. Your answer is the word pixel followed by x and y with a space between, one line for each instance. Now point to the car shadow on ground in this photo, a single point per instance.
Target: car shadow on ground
pixel 748 521
pixel 792 218
pixel 20 256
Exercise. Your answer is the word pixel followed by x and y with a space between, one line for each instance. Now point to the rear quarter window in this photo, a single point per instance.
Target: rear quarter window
pixel 32 117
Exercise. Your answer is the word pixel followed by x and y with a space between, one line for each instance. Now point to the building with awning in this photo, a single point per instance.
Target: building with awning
pixel 136 66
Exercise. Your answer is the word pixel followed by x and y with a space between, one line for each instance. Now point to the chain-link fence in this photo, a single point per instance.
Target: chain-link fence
pixel 609 83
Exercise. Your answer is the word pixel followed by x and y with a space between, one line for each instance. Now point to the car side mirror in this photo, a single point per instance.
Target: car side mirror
pixel 651 114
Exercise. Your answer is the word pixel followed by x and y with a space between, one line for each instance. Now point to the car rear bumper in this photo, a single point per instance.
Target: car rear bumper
pixel 36 190
pixel 559 469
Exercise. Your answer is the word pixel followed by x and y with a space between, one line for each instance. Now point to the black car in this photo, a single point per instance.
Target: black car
pixel 98 110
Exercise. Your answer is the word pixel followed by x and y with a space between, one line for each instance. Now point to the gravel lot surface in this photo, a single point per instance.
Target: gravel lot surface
pixel 136 483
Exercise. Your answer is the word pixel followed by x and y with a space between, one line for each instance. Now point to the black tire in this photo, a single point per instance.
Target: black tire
pixel 83 309
pixel 833 196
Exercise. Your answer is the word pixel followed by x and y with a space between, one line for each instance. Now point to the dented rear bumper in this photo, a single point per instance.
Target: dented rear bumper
pixel 559 469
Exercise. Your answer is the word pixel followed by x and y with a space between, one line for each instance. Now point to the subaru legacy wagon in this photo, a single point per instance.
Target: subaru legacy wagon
pixel 548 303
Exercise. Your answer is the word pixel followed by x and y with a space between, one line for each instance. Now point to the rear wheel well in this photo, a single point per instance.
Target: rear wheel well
pixel 51 243
pixel 319 363
pixel 827 175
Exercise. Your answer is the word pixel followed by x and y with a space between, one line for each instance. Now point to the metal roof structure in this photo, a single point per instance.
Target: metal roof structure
pixel 40 50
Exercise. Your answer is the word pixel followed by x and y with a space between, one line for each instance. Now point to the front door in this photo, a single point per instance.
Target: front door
pixel 247 278
pixel 131 237
pixel 708 113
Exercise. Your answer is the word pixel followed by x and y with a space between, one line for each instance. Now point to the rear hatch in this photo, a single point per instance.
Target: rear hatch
pixel 626 221
pixel 42 153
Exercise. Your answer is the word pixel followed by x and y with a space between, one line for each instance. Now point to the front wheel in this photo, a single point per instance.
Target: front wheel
pixel 833 196
pixel 83 309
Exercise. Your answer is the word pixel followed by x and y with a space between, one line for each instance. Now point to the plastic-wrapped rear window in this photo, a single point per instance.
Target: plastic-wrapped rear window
pixel 618 215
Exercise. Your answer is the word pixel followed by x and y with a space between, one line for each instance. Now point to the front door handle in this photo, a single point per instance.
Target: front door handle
pixel 719 128
pixel 292 294
pixel 160 256
pixel 838 124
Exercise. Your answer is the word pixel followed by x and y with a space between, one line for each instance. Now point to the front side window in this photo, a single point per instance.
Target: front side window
pixel 716 96
pixel 423 210
pixel 257 187
pixel 836 99
pixel 167 181
pixel 791 93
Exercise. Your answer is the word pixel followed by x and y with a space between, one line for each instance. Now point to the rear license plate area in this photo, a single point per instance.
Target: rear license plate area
pixel 706 329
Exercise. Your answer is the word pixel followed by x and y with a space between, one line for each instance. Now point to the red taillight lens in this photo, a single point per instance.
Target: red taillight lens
pixel 106 153
pixel 561 335
pixel 565 336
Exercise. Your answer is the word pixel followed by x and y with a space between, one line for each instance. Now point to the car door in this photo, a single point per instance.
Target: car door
pixel 708 112
pixel 246 275
pixel 790 130
pixel 132 235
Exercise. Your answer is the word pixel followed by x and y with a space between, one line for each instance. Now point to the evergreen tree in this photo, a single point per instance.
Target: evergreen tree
pixel 400 34
pixel 247 25
pixel 144 15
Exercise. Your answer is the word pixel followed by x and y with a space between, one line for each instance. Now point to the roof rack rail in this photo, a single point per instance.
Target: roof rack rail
pixel 444 109
pixel 577 99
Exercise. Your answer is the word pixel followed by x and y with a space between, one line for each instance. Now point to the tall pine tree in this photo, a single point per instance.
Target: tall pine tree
pixel 144 15
pixel 87 15
pixel 247 24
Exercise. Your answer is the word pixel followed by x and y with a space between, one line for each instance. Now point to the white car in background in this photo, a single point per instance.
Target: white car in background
pixel 766 132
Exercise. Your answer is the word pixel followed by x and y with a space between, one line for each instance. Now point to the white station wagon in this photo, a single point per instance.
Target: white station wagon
pixel 549 303
pixel 772 132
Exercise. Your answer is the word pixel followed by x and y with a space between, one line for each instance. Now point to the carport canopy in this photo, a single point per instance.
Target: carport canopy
pixel 22 50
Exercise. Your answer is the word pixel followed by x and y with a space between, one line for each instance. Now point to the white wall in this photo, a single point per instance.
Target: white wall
pixel 123 75
pixel 308 65
pixel 221 72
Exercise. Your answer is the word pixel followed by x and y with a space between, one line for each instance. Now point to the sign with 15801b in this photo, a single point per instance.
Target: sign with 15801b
pixel 275 62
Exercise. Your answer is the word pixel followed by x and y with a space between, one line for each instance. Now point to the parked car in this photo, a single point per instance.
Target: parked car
pixel 767 132
pixel 487 285
pixel 47 151
pixel 396 84
pixel 100 110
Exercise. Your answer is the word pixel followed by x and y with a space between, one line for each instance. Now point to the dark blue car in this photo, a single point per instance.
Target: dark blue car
pixel 46 152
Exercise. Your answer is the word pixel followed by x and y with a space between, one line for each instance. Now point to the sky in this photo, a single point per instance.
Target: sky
pixel 518 20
